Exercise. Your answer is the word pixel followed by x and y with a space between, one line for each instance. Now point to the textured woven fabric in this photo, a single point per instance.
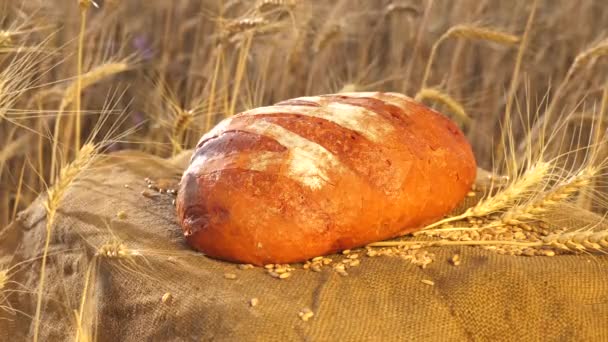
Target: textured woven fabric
pixel 163 291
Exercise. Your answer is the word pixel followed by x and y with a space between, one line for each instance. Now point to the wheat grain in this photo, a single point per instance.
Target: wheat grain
pixel 445 99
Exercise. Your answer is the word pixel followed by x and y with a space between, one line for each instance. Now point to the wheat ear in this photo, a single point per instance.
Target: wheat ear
pixel 445 99
pixel 589 241
pixel 54 196
pixel 533 178
pixel 468 32
pixel 560 193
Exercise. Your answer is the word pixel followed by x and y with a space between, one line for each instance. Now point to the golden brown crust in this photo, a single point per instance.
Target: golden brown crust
pixel 312 176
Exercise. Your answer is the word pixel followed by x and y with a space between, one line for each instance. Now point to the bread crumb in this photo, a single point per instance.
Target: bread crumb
pixel 121 215
pixel 230 276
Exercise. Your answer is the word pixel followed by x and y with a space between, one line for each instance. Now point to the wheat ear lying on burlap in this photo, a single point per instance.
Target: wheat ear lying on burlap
pixel 533 178
pixel 588 241
pixel 560 193
pixel 54 196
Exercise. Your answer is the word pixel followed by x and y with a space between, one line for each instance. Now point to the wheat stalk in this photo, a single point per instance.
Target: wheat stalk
pixel 514 85
pixel 468 32
pixel 445 99
pixel 54 196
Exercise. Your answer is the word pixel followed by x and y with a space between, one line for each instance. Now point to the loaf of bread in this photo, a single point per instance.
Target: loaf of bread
pixel 316 175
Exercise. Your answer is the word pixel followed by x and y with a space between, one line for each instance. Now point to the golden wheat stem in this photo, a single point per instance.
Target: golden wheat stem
pixel 212 95
pixel 83 19
pixel 87 280
pixel 240 72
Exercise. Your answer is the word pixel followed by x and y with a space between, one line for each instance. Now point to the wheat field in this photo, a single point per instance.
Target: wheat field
pixel 525 80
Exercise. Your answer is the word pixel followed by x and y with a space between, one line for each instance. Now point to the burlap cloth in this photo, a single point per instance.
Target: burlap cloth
pixel 489 297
